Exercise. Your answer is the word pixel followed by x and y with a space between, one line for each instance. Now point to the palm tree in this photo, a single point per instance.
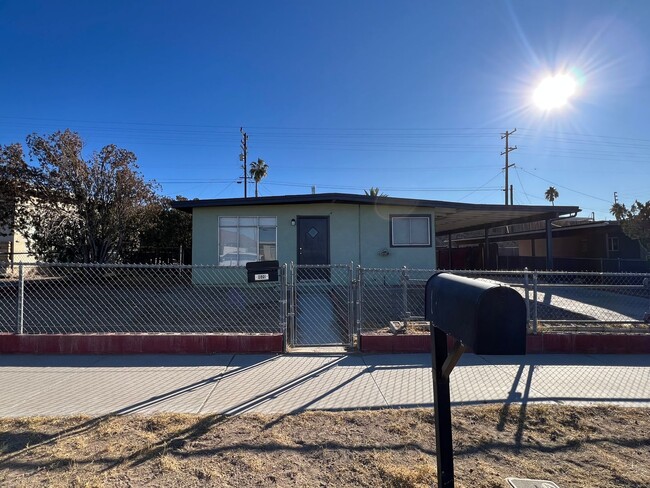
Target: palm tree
pixel 374 192
pixel 258 171
pixel 618 210
pixel 551 194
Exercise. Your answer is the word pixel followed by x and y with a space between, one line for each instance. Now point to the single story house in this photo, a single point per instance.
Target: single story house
pixel 339 228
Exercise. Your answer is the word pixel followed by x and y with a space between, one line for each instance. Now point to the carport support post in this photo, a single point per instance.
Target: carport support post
pixel 449 262
pixel 20 300
pixel 486 250
pixel 535 302
pixel 549 245
pixel 442 409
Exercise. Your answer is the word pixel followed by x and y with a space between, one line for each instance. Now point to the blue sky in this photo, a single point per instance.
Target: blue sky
pixel 410 97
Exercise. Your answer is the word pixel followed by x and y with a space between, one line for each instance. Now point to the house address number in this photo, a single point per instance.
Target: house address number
pixel 262 277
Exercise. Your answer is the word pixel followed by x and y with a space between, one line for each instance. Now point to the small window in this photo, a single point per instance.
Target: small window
pixel 246 239
pixel 410 231
pixel 612 244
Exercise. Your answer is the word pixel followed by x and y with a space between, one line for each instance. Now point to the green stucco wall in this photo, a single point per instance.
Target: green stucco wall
pixel 358 233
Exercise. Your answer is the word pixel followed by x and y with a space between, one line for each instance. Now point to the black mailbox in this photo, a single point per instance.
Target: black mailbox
pixel 262 271
pixel 487 317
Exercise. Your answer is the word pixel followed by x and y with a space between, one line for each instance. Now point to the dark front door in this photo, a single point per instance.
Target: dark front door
pixel 313 246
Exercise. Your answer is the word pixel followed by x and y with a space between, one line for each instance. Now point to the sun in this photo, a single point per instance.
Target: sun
pixel 555 91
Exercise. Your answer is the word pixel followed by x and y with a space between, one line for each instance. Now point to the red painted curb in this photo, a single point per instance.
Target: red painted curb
pixel 535 344
pixel 139 344
pixel 273 343
pixel 398 344
pixel 639 344
pixel 559 343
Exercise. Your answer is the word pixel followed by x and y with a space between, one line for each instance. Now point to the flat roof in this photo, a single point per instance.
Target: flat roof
pixel 450 216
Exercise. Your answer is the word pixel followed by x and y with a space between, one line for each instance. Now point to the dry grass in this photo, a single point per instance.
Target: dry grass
pixel 574 446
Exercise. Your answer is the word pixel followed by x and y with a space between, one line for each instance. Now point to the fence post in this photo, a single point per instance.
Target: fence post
pixel 284 323
pixel 405 297
pixel 20 299
pixel 358 308
pixel 535 302
pixel 351 285
pixel 527 297
pixel 646 284
pixel 11 256
pixel 292 304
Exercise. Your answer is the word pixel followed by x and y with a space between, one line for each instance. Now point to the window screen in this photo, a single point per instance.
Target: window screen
pixel 411 231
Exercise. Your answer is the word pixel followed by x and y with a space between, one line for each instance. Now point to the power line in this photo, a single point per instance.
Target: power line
pixel 565 187
pixel 483 185
pixel 444 131
pixel 521 183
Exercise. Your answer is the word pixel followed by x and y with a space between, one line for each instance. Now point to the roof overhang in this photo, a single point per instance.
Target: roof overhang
pixel 451 217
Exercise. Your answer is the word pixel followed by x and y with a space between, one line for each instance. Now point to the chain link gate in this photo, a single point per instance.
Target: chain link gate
pixel 321 305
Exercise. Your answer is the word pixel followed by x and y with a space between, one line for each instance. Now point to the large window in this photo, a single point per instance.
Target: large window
pixel 410 231
pixel 245 239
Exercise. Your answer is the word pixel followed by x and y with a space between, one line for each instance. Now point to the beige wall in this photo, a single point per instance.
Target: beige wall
pixel 18 242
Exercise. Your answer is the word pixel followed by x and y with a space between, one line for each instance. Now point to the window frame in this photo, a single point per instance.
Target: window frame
pixel 257 227
pixel 613 240
pixel 429 233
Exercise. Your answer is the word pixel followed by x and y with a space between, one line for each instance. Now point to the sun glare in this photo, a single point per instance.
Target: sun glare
pixel 555 91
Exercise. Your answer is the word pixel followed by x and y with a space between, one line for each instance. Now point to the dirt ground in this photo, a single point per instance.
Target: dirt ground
pixel 573 446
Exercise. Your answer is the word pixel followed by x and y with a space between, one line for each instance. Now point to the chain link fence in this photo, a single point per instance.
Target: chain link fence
pixel 80 298
pixel 315 305
pixel 322 305
pixel 588 300
pixel 392 300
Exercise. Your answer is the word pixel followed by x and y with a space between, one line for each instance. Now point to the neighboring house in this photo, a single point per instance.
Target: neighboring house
pixel 13 250
pixel 598 246
pixel 336 228
pixel 13 246
pixel 578 245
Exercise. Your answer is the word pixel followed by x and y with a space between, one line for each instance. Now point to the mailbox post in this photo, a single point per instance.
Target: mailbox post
pixel 489 318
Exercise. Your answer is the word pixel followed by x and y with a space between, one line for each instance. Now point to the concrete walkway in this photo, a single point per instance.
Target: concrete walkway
pixel 97 385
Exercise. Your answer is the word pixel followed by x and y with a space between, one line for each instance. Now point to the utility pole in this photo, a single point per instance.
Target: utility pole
pixel 505 153
pixel 244 157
